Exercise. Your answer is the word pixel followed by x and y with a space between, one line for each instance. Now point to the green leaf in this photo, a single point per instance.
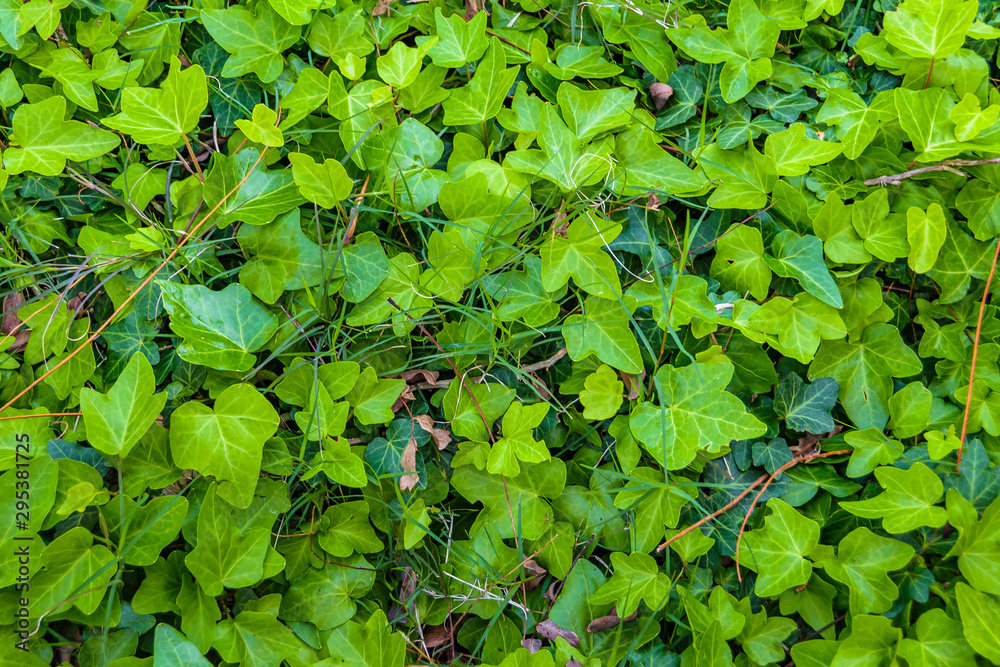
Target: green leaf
pixel 325 596
pixel 117 419
pixel 929 28
pixel 908 501
pixel 864 369
pixel 862 563
pixel 372 398
pixel 800 324
pixel 695 414
pixel 744 178
pixel 801 257
pixel 482 98
pixel 739 261
pixel 223 557
pixel 939 642
pixel 561 157
pixel 42 140
pixel 460 41
pixel 172 649
pixel 857 123
pixel 226 441
pixel 164 115
pixel 580 255
pixel 71 573
pixel 374 643
pixel 255 639
pixel 595 111
pixel 871 642
pixel 518 442
pixel 526 494
pixel 219 329
pixel 260 195
pixel 262 128
pixel 637 578
pixel 925 231
pixel 603 330
pixel 348 530
pixel 806 407
pixel 602 394
pixel 255 39
pixel 794 154
pixel 777 552
pixel 978 544
pixel 282 258
pixel 980 613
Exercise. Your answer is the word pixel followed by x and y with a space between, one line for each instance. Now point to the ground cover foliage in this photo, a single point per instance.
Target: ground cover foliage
pixel 530 333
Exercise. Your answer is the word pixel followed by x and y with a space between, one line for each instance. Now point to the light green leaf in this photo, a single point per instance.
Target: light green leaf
pixel 908 501
pixel 218 329
pixel 482 98
pixel 603 329
pixel 925 231
pixel 116 420
pixel 227 441
pixel 255 40
pixel 164 115
pixel 777 552
pixel 637 578
pixel 262 129
pixel 862 563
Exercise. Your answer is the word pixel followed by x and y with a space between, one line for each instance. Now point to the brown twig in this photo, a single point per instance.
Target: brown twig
pixel 713 515
pixel 947 165
pixel 975 353
pixel 131 297
pixel 45 414
pixel 805 458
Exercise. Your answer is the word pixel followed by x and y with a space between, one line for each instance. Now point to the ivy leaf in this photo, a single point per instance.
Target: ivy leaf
pixel 118 419
pixel 637 578
pixel 518 441
pixel 656 504
pixel 980 614
pixel 794 154
pixel 324 596
pixel 862 563
pixel 347 529
pixel 739 261
pixel 223 557
pixel 527 494
pixel 71 563
pixel 460 41
pixel 908 501
pixel 777 552
pixel 857 123
pixel 175 650
pixel 929 29
pixel 806 408
pixel 871 642
pixel 603 329
pixel 602 394
pixel 374 643
pixel 164 115
pixel 260 195
pixel 978 544
pixel 801 257
pixel 372 398
pixel 800 324
pixel 147 528
pixel 695 414
pixel 325 184
pixel 745 48
pixel 482 98
pixel 282 258
pixel 939 642
pixel 262 128
pixel 226 441
pixel 255 639
pixel 580 256
pixel 561 157
pixel 643 166
pixel 745 177
pixel 871 448
pixel 44 140
pixel 255 40
pixel 925 231
pixel 218 329
pixel 864 372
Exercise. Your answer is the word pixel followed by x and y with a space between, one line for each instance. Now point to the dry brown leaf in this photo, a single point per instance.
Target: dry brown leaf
pixel 660 93
pixel 632 384
pixel 382 7
pixel 609 621
pixel 551 631
pixel 409 464
pixel 440 436
pixel 428 376
pixel 436 636
pixel 533 645
pixel 472 7
pixel 11 322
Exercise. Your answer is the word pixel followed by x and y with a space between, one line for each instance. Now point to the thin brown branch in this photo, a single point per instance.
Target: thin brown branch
pixel 947 165
pixel 975 353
